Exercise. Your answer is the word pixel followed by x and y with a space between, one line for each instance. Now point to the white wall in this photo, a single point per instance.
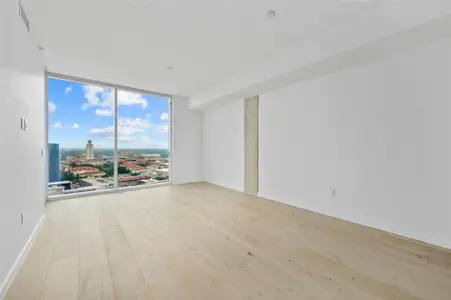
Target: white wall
pixel 389 28
pixel 379 133
pixel 223 150
pixel 186 138
pixel 22 181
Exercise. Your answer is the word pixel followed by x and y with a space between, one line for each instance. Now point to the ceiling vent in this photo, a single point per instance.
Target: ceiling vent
pixel 24 17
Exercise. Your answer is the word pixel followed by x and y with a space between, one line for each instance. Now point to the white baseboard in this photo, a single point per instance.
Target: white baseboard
pixel 20 259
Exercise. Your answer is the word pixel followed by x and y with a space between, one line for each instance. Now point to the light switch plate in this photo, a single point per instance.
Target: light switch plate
pixel 23 123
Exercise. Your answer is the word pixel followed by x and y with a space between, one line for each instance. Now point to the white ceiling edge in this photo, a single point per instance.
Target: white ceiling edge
pixel 330 52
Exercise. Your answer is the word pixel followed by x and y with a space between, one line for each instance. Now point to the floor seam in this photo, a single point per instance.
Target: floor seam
pixel 106 257
pixel 136 261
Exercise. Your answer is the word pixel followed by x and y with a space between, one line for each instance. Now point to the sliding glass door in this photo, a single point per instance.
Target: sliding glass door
pixel 104 137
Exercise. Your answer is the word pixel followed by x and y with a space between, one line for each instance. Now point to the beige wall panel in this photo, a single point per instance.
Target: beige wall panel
pixel 251 145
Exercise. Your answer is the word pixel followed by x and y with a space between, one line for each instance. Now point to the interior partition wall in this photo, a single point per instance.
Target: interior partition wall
pixel 103 137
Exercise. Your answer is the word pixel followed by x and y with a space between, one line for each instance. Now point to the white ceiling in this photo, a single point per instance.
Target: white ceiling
pixel 130 42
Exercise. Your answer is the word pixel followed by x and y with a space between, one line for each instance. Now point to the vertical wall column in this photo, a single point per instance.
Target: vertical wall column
pixel 251 145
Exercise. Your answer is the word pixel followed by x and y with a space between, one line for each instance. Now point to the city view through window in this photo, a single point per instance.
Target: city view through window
pixel 81 138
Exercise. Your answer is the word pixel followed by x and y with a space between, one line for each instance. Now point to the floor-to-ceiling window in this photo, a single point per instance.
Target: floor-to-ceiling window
pixel 142 136
pixel 103 137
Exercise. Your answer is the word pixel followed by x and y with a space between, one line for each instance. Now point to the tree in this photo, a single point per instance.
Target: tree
pixel 123 170
pixel 108 169
pixel 69 176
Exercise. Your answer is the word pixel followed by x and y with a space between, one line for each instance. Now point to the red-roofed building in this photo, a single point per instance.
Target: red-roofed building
pixel 133 178
pixel 94 173
pixel 132 166
pixel 87 171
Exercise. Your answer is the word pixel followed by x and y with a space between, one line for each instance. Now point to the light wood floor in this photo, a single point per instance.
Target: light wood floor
pixel 204 242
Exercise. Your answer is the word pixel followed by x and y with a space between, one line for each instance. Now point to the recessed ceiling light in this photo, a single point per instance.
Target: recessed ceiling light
pixel 270 14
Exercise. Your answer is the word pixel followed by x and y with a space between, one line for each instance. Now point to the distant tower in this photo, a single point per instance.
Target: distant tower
pixel 89 150
pixel 54 162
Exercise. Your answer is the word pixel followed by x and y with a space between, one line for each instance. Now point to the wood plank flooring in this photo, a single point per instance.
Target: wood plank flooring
pixel 203 242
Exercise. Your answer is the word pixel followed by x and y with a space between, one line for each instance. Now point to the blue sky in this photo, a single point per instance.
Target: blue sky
pixel 80 112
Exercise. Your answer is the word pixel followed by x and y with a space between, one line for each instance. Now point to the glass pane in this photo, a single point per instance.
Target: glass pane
pixel 81 137
pixel 143 139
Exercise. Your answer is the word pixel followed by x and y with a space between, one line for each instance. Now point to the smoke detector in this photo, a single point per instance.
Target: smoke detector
pixel 270 14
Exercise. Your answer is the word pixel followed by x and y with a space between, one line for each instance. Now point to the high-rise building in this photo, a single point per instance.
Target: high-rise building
pixel 89 150
pixel 54 162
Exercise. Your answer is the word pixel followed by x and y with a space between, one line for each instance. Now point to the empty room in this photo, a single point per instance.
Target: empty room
pixel 225 150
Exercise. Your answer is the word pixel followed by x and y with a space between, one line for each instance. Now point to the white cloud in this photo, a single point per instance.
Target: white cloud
pixel 128 98
pixel 52 107
pixel 125 139
pixel 75 126
pixel 126 127
pixel 122 132
pixel 104 112
pixel 144 139
pixel 93 95
pixel 68 89
pixel 148 116
pixel 141 141
pixel 136 141
pixel 97 96
pixel 164 116
pixel 136 123
pixel 57 125
pixel 126 131
pixel 102 132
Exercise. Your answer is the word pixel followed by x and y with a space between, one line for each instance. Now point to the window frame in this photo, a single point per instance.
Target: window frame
pixel 115 88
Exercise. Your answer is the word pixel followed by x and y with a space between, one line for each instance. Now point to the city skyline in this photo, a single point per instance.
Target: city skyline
pixel 84 171
pixel 79 112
